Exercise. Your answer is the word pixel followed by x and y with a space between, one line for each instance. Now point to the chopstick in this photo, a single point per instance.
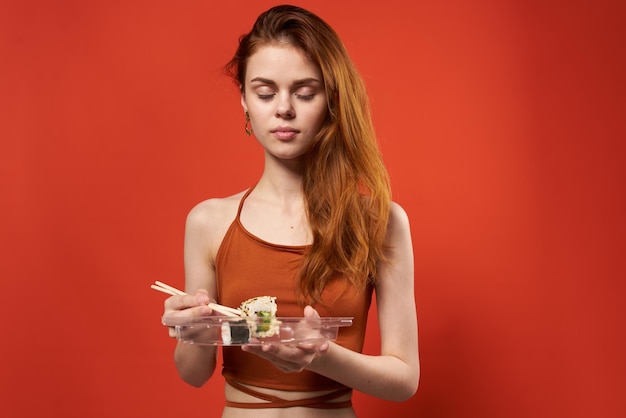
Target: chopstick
pixel 224 310
pixel 165 288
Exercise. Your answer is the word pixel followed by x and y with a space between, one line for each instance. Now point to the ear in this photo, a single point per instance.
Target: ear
pixel 243 101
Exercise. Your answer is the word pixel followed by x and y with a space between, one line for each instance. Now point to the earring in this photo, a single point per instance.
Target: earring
pixel 248 126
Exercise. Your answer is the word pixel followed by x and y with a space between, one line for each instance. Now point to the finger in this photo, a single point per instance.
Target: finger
pixel 310 312
pixel 267 351
pixel 172 332
pixel 257 349
pixel 184 315
pixel 177 303
pixel 314 347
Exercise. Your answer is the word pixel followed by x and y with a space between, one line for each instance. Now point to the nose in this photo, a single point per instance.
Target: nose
pixel 284 108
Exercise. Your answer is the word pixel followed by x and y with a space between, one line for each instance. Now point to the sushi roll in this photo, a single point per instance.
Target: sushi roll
pixel 262 312
pixel 235 332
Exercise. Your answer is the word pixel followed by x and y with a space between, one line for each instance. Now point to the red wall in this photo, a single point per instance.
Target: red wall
pixel 502 123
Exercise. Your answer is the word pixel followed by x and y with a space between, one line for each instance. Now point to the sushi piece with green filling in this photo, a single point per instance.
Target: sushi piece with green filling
pixel 262 312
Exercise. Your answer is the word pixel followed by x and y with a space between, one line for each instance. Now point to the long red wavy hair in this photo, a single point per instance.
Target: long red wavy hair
pixel 346 185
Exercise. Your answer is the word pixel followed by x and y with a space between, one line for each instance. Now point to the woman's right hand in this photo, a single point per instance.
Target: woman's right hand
pixel 187 306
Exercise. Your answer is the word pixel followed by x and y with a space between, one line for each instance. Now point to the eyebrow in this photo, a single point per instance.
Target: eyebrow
pixel 301 82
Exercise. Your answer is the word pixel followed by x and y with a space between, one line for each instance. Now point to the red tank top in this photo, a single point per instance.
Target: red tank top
pixel 247 266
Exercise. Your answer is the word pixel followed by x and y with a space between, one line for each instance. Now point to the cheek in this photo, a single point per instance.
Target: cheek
pixel 319 115
pixel 258 114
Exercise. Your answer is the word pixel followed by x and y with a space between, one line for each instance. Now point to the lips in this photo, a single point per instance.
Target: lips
pixel 285 133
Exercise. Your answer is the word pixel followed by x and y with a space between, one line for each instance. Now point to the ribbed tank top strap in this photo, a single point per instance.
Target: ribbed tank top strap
pixel 235 224
pixel 245 196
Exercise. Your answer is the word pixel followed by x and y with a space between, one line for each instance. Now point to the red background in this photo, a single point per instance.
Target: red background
pixel 501 122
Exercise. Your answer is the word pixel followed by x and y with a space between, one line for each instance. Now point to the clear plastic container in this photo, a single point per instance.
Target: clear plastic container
pixel 225 330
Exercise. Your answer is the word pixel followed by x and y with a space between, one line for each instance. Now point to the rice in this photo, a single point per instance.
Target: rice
pixel 262 310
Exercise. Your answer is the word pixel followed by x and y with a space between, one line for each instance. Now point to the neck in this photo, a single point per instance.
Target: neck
pixel 282 190
pixel 282 182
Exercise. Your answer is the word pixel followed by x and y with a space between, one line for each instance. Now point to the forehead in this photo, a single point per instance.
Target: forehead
pixel 281 63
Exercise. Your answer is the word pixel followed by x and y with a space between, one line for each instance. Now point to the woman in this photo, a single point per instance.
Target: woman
pixel 318 231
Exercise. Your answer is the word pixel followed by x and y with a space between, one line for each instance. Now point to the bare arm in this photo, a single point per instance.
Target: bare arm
pixel 393 375
pixel 196 363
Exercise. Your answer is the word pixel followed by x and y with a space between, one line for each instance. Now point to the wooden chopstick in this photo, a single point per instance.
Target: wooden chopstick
pixel 224 310
pixel 168 287
pixel 234 311
pixel 164 290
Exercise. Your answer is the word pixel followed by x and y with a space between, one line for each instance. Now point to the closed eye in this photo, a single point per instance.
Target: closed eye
pixel 305 96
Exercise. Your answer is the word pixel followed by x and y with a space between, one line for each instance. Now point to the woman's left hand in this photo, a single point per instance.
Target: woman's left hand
pixel 292 358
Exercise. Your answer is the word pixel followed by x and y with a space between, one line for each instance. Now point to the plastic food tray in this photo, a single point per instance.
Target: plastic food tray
pixel 224 330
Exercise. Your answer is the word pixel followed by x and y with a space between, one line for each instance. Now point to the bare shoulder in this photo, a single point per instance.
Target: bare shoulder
pixel 214 211
pixel 397 272
pixel 398 218
pixel 209 220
